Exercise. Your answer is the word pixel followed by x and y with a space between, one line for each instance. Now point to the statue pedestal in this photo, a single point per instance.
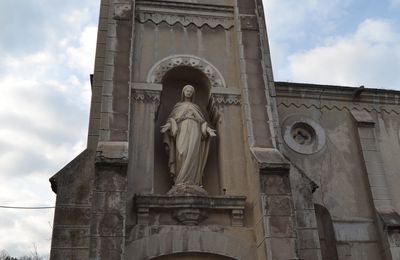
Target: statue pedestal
pixel 153 209
pixel 186 189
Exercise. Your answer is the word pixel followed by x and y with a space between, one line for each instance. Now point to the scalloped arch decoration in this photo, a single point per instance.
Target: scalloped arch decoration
pixel 158 71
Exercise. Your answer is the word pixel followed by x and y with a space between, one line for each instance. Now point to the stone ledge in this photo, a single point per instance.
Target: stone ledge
pixel 362 118
pixel 390 218
pixel 112 152
pixel 189 209
pixel 270 158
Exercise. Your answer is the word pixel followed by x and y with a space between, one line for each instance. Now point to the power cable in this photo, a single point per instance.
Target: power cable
pixel 14 207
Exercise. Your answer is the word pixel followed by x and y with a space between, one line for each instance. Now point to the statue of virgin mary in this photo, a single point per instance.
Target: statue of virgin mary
pixel 187 138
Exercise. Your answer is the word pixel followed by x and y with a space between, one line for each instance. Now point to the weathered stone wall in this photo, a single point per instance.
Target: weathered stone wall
pixel 349 166
pixel 70 239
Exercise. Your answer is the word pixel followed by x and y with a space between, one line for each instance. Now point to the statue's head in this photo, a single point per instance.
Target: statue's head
pixel 188 92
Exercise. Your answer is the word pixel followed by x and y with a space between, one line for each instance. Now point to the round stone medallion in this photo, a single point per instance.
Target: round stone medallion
pixel 303 135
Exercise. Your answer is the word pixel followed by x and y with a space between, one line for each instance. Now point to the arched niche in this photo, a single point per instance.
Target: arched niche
pixel 173 80
pixel 326 233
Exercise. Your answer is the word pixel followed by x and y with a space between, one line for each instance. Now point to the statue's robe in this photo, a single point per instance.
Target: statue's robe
pixel 188 149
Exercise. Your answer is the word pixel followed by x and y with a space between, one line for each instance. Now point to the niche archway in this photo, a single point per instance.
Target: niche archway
pixel 174 78
pixel 193 256
pixel 326 233
pixel 158 71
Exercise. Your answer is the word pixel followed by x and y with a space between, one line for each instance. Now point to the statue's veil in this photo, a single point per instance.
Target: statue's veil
pixel 192 99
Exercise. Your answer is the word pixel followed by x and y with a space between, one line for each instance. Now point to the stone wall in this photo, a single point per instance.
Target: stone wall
pixel 326 136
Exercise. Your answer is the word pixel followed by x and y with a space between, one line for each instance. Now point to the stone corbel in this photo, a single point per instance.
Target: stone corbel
pixel 122 11
pixel 249 22
pixel 219 98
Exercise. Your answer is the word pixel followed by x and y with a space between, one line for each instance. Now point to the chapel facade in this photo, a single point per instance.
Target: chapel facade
pixel 242 167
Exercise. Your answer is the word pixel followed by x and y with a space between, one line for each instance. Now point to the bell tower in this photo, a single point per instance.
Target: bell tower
pixel 122 198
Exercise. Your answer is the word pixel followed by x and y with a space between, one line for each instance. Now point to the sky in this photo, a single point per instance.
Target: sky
pixel 47 54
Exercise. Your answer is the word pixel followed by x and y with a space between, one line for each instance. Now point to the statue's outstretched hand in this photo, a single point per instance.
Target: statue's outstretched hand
pixel 204 130
pixel 211 132
pixel 165 128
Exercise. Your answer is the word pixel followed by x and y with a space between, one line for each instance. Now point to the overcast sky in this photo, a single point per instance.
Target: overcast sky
pixel 47 53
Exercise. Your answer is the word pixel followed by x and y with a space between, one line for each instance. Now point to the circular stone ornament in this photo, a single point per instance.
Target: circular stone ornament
pixel 303 135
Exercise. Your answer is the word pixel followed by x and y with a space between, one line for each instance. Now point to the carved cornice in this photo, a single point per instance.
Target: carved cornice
pixel 340 106
pixel 185 14
pixel 185 20
pixel 337 93
pixel 328 97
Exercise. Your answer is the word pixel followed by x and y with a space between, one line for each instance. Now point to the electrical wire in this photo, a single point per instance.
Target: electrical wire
pixel 14 207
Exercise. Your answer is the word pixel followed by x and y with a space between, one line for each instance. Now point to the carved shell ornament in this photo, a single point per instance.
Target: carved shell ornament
pixel 158 71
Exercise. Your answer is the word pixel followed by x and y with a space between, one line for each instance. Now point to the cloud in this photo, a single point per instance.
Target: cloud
pixel 294 25
pixel 370 57
pixel 395 3
pixel 294 19
pixel 47 56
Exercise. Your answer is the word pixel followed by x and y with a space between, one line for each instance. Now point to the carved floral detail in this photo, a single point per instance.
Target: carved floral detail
pixel 190 217
pixel 218 101
pixel 226 99
pixel 146 96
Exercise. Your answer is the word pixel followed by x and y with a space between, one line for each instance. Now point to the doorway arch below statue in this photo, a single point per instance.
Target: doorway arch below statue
pixel 193 256
pixel 185 241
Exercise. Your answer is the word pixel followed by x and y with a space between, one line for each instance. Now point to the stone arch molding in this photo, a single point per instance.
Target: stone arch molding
pixel 185 241
pixel 158 71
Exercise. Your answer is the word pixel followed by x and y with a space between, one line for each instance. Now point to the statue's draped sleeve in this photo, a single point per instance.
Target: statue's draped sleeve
pixel 170 144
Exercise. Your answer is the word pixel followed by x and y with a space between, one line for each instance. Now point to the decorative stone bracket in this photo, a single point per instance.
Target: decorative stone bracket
pixel 122 11
pixel 189 210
